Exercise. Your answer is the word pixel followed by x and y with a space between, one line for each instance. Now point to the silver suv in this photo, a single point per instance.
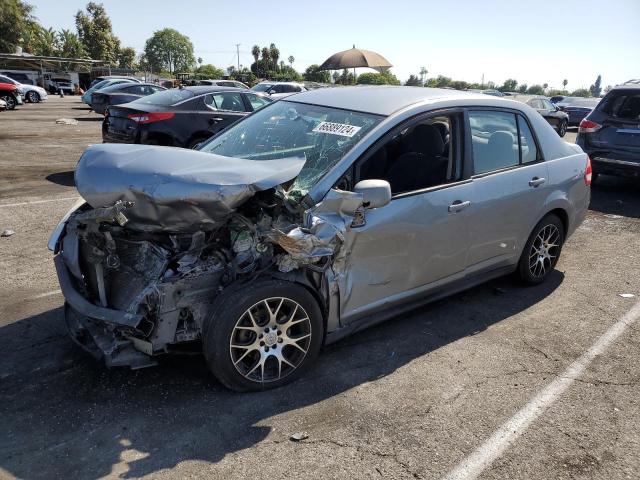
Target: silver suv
pixel 308 220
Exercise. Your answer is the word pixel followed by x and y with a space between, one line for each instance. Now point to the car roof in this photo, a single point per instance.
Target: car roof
pixel 384 99
pixel 201 89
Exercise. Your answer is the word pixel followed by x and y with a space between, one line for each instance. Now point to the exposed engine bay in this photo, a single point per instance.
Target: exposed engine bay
pixel 134 291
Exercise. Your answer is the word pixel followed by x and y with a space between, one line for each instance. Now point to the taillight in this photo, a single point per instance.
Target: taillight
pixel 150 117
pixel 588 126
pixel 588 172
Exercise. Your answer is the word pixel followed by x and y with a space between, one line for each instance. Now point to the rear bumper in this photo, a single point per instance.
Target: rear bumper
pixel 615 166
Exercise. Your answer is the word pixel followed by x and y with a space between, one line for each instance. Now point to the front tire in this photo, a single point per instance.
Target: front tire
pixel 542 250
pixel 11 102
pixel 262 335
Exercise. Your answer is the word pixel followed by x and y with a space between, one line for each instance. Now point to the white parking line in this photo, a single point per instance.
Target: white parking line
pixel 38 201
pixel 490 450
pixel 46 294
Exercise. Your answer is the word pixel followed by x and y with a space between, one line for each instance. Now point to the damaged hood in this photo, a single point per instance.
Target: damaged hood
pixel 173 188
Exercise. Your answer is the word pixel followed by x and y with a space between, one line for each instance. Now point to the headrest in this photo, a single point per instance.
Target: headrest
pixel 425 139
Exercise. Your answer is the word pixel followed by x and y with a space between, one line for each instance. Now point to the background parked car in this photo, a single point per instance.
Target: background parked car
pixel 577 108
pixel 22 78
pixel 120 93
pixel 279 89
pixel 31 93
pixel 11 95
pixel 180 117
pixel 112 77
pixel 558 119
pixel 88 95
pixel 610 134
pixel 223 83
pixel 57 84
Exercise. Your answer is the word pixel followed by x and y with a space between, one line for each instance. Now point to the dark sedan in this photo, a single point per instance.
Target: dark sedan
pixel 552 114
pixel 577 108
pixel 179 117
pixel 121 93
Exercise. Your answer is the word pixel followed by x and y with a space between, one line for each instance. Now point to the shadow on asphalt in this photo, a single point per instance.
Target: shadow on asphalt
pixel 76 419
pixel 94 118
pixel 616 196
pixel 65 179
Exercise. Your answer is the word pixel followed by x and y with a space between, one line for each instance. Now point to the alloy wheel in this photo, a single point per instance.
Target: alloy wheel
pixel 544 251
pixel 270 339
pixel 33 97
pixel 11 102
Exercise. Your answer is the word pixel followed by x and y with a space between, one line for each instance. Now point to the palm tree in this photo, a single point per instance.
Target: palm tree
pixel 266 57
pixel 291 60
pixel 255 51
pixel 274 53
pixel 564 84
pixel 545 86
pixel 423 72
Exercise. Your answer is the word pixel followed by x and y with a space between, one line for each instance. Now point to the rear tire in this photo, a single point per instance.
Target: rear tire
pixel 542 250
pixel 262 335
pixel 33 97
pixel 563 129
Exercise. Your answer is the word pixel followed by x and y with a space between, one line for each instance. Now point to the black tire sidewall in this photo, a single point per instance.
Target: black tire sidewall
pixel 563 129
pixel 523 265
pixel 217 330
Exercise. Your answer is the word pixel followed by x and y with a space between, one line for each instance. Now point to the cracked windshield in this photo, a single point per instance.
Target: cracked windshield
pixel 320 135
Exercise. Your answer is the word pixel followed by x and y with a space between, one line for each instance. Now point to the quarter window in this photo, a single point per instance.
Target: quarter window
pixel 528 149
pixel 494 138
pixel 256 101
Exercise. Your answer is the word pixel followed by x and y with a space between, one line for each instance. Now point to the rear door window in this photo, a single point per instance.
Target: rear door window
pixel 494 140
pixel 230 101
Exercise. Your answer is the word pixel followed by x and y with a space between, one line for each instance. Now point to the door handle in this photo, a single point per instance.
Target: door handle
pixel 536 182
pixel 458 205
pixel 215 119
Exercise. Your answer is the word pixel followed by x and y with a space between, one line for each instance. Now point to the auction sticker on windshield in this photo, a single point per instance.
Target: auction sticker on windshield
pixel 337 129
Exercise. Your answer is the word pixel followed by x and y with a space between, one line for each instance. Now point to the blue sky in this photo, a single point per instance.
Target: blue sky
pixel 534 41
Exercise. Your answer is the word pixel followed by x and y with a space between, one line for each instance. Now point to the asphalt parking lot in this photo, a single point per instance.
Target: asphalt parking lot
pixel 424 395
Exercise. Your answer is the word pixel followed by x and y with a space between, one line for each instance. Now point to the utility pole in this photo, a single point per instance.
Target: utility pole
pixel 238 53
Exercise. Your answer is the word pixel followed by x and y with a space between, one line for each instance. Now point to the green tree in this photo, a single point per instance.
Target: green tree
pixel 442 81
pixel 336 76
pixel 170 50
pixel 274 54
pixel 596 88
pixel 384 78
pixel 535 90
pixel 459 84
pixel 423 73
pixel 127 58
pixel 509 85
pixel 522 88
pixel 96 35
pixel 45 42
pixel 314 74
pixel 413 81
pixel 564 84
pixel 70 45
pixel 210 71
pixel 291 59
pixel 15 20
pixel 255 51
pixel 581 92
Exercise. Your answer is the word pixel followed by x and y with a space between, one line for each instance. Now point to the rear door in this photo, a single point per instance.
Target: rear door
pixel 509 187
pixel 224 108
pixel 619 137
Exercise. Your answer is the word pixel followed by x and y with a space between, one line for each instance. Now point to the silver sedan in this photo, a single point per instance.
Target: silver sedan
pixel 308 220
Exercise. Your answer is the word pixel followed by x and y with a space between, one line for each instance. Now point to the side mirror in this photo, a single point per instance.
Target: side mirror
pixel 375 193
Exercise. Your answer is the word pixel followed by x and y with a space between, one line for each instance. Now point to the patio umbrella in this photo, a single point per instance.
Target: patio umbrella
pixel 354 58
